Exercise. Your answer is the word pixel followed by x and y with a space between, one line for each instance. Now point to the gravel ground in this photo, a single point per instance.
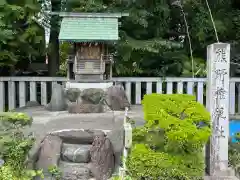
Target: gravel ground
pixel 45 121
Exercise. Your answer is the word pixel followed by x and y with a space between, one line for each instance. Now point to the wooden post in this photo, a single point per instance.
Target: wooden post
pixel 22 94
pixel 11 95
pixel 110 73
pixel 2 96
pixel 33 91
pixel 127 144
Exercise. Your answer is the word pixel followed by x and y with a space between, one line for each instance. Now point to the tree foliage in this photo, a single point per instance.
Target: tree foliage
pixel 145 42
pixel 153 37
pixel 19 33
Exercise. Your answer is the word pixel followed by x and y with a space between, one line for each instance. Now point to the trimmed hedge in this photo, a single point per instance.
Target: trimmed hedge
pixel 145 163
pixel 16 118
pixel 170 145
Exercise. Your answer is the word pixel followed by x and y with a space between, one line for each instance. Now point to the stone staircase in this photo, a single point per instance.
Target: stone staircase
pixel 69 151
pixel 74 161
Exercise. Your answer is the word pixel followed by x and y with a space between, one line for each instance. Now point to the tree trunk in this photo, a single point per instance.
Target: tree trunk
pixel 53 53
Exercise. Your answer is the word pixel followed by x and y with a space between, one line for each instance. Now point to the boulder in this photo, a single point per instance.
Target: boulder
pixel 92 95
pixel 79 136
pixel 72 94
pixel 116 136
pixel 49 154
pixel 85 108
pixel 58 101
pixel 102 158
pixel 74 171
pixel 76 153
pixel 33 153
pixel 116 98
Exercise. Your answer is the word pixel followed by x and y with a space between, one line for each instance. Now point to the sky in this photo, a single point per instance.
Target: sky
pixel 47 35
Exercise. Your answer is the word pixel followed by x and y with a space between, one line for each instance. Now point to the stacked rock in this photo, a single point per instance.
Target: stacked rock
pixel 91 100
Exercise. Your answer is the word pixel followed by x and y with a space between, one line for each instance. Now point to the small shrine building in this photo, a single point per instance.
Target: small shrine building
pixel 90 35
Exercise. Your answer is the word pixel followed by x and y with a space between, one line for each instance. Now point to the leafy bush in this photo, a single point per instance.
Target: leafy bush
pixel 150 164
pixel 14 146
pixel 119 178
pixel 170 145
pixel 8 173
pixel 234 153
pixel 16 118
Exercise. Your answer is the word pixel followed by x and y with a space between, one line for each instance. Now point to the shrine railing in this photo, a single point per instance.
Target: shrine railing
pixel 107 58
pixel 16 91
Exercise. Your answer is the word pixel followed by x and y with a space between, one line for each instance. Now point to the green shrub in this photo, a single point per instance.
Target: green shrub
pixel 237 136
pixel 16 118
pixel 170 145
pixel 149 164
pixel 119 178
pixel 8 173
pixel 185 122
pixel 234 153
pixel 14 145
pixel 55 172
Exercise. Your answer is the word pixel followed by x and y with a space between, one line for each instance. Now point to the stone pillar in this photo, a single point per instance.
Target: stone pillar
pixel 218 69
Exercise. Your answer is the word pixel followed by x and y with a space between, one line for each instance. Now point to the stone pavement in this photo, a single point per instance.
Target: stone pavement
pixel 45 121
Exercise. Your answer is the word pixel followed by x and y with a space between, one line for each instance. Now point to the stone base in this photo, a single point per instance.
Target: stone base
pixel 87 85
pixel 223 175
pixel 80 77
pixel 220 178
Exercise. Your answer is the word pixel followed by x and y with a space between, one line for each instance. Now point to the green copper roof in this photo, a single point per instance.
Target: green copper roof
pixel 74 14
pixel 87 29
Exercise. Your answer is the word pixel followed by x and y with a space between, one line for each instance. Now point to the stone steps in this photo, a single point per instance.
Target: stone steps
pixel 74 161
pixel 69 150
pixel 75 153
pixel 74 171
